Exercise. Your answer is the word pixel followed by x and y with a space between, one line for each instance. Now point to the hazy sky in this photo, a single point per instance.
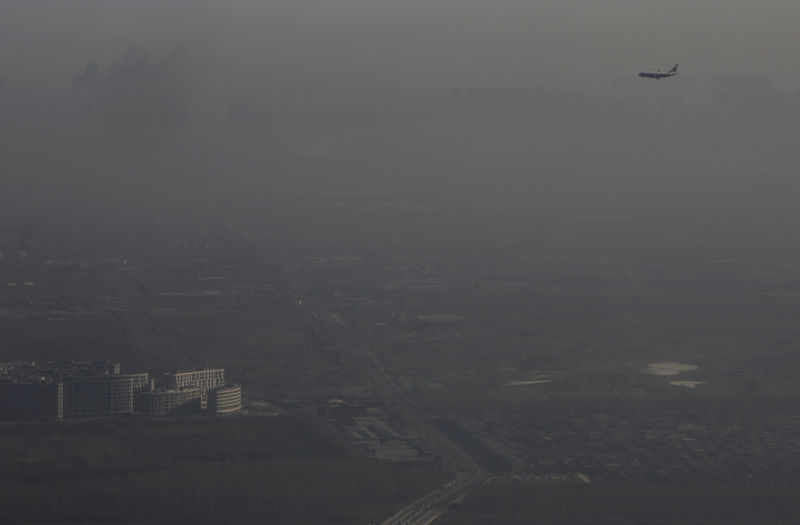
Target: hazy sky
pixel 361 45
pixel 286 79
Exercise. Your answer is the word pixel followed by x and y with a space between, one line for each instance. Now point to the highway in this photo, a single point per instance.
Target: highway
pixel 360 350
pixel 429 507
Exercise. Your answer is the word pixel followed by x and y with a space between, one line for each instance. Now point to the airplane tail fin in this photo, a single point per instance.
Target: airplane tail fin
pixel 674 69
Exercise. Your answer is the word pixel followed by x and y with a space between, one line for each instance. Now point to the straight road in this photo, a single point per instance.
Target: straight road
pixel 361 350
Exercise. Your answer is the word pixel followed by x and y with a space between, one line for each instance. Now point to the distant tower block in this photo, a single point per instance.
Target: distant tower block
pixel 31 400
pixel 225 400
pixel 163 402
pixel 207 379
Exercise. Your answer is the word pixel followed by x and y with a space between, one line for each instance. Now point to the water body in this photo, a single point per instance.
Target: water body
pixel 669 368
pixel 528 382
pixel 688 384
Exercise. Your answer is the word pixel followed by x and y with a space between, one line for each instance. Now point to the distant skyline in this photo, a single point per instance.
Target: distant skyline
pixel 283 48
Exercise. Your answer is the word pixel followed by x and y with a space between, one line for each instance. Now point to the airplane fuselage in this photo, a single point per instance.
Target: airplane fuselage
pixel 657 76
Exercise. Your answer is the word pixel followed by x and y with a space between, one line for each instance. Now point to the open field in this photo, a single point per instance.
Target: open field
pixel 528 349
pixel 626 504
pixel 196 470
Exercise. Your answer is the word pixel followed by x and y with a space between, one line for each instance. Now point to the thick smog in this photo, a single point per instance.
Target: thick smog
pixel 399 262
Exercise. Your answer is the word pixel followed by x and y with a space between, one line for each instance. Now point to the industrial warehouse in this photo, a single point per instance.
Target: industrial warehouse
pixel 85 389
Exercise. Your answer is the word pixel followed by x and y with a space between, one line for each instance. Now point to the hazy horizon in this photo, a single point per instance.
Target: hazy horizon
pixel 285 49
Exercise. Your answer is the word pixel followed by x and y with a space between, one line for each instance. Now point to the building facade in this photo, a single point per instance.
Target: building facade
pixel 206 379
pixel 85 389
pixel 31 400
pixel 163 402
pixel 225 400
pixel 102 396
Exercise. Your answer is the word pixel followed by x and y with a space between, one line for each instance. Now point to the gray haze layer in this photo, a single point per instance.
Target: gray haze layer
pixel 532 106
pixel 471 217
pixel 361 45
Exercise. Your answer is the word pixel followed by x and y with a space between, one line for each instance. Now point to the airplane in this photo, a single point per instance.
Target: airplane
pixel 659 75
